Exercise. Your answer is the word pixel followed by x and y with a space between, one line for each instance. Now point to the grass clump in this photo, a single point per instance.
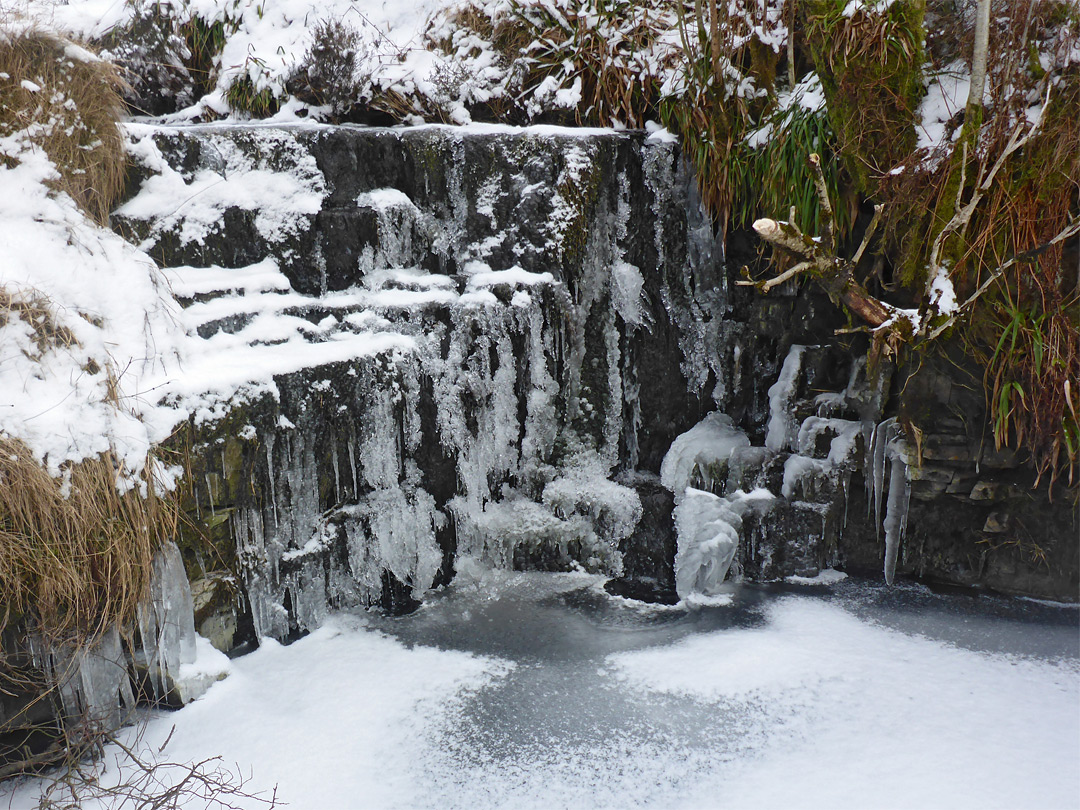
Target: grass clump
pixel 870 64
pixel 75 551
pixel 66 102
pixel 326 76
pixel 244 96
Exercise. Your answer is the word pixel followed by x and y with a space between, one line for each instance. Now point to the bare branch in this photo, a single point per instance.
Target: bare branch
pixel 878 209
pixel 829 237
pixel 765 286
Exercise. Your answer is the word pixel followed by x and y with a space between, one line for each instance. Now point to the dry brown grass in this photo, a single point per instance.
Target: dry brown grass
pixel 34 309
pixel 72 117
pixel 75 552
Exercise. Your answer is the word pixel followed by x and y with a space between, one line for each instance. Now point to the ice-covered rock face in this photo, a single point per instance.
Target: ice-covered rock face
pixel 427 345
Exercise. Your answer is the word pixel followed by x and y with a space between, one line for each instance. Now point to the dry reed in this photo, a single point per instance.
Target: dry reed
pixel 67 102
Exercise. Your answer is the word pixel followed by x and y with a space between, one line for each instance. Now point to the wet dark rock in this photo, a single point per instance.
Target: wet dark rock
pixel 649 553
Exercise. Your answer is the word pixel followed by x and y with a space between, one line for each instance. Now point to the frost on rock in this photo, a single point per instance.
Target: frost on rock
pixel 583 488
pixel 391 531
pixel 518 529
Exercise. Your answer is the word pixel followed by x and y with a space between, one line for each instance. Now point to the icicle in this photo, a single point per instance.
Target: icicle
pixel 896 513
pixel 166 621
pixel 337 471
pixel 876 476
pixel 271 476
pixel 352 463
pixel 210 492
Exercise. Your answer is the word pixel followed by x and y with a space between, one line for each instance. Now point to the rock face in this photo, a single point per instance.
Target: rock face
pixel 551 317
pixel 510 327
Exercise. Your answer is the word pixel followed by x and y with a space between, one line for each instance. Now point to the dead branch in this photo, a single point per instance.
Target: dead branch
pixel 787 275
pixel 835 274
pixel 829 237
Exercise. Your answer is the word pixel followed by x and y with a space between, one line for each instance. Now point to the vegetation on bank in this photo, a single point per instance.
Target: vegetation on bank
pixel 75 548
pixel 876 88
pixel 80 523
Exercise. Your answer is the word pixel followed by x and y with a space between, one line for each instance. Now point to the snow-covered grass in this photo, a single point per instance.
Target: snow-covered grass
pixel 75 399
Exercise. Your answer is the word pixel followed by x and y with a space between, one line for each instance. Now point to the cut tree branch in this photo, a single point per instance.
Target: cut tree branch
pixel 835 274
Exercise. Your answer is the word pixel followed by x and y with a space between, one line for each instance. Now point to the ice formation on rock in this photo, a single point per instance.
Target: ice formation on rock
pixel 708 528
pixel 437 362
pixel 782 428
pixel 888 446
pixel 700 456
pixel 166 621
pixel 443 367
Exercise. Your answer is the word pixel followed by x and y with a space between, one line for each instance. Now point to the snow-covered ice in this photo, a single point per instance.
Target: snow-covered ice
pixel 512 690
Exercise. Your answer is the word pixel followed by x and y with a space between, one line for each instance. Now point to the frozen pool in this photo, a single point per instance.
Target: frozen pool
pixel 542 691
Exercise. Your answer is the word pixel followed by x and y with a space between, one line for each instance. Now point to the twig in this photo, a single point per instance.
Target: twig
pixel 765 286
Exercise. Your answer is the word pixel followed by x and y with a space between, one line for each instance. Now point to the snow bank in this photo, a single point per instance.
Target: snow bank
pixel 334 720
pixel 119 320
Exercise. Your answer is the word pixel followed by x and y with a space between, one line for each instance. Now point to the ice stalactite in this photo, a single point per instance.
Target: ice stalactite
pixel 166 623
pixel 95 680
pixel 888 446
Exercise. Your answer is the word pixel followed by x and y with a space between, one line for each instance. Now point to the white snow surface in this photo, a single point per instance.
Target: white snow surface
pixel 872 717
pixel 942 293
pixel 807 705
pixel 333 720
pixel 113 302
